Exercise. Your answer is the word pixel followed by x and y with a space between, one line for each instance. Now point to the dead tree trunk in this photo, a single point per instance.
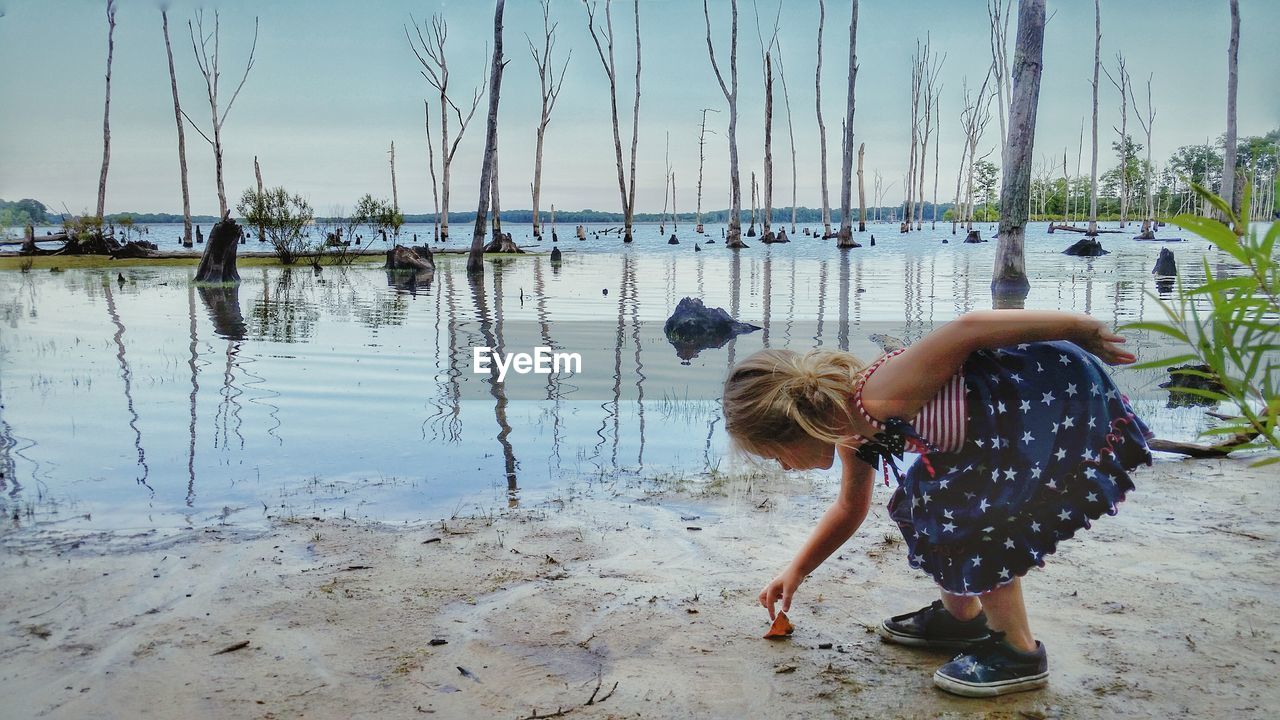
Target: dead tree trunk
pixel 182 139
pixel 106 110
pixel 1009 286
pixel 1093 173
pixel 431 165
pixel 209 68
pixel 791 135
pixel 395 196
pixel 846 174
pixel 767 219
pixel 733 238
pixel 933 225
pixel 917 77
pixel 218 263
pixel 862 192
pixel 702 157
pixel 1229 146
pixel 495 200
pixel 1123 86
pixel 822 128
pixel 475 258
pixel 1147 122
pixel 751 231
pixel 435 68
pixel 626 188
pixel 550 86
pixel 257 173
pixel 998 19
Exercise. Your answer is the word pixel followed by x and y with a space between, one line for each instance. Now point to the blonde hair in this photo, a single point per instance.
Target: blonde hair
pixel 775 397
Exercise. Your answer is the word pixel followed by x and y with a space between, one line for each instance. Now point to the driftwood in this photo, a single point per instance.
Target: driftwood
pixel 1072 228
pixel 1086 247
pixel 218 263
pixel 135 249
pixel 1216 450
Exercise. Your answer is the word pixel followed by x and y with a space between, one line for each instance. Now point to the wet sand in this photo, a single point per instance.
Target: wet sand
pixel 1166 610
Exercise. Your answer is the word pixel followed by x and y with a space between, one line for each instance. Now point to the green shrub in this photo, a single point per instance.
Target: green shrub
pixel 1231 323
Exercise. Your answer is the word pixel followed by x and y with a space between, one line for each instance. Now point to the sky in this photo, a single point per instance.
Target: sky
pixel 335 83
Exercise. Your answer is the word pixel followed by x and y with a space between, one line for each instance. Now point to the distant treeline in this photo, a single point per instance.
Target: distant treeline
pixel 780 215
pixel 26 211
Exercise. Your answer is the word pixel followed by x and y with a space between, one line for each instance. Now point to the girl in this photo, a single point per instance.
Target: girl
pixel 1023 439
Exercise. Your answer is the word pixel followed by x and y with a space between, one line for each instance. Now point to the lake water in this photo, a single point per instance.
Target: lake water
pixel 153 404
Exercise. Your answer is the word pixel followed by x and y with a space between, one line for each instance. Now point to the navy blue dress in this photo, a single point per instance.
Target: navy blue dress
pixel 1049 444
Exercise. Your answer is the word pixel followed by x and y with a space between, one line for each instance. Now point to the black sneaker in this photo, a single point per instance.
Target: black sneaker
pixel 934 627
pixel 994 667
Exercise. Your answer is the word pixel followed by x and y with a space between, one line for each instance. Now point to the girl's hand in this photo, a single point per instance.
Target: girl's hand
pixel 782 587
pixel 1098 338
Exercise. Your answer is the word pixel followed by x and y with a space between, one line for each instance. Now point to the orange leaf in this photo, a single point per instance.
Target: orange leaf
pixel 781 628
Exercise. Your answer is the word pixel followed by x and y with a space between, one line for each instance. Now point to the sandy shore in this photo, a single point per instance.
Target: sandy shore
pixel 622 594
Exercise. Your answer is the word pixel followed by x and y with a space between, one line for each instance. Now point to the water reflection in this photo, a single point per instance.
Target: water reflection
pixel 371 374
pixel 126 375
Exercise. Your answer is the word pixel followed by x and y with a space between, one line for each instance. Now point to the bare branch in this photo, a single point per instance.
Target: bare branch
pixel 247 68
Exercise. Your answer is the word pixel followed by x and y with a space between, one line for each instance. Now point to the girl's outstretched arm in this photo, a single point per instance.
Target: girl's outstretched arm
pixel 908 381
pixel 836 526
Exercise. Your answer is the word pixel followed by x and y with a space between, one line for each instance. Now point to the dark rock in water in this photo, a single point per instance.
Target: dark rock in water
pixel 673 240
pixel 694 327
pixel 712 241
pixel 751 231
pixel 946 241
pixel 605 291
pixel 696 248
pixel 556 254
pixel 1191 376
pixel 974 237
pixel 1085 247
pixel 1165 264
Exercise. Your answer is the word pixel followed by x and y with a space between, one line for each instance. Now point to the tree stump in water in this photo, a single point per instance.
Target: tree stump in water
pixel 974 237
pixel 673 240
pixel 556 255
pixel 782 236
pixel 1165 264
pixel 751 231
pixel 769 238
pixel 416 259
pixel 582 233
pixel 218 263
pixel 503 244
pixel 845 239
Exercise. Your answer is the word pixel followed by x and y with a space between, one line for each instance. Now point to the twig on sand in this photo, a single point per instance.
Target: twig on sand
pixel 232 648
pixel 561 712
pixel 1228 531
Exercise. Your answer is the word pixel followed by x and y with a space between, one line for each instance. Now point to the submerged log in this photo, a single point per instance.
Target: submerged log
pixel 135 249
pixel 218 263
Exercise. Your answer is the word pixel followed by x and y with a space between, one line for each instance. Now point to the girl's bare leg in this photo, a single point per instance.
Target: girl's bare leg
pixel 1005 612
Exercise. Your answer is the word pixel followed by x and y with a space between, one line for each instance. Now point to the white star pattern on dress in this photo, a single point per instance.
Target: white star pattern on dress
pixel 1095 390
pixel 947 514
pixel 977 560
pixel 1047 398
pixel 1025 406
pixel 1027 437
pixel 949 527
pixel 980 443
pixel 1092 497
pixel 1035 527
pixel 1023 346
pixel 1091 473
pixel 1008 543
pixel 926 498
pixel 1065 514
pixel 1092 423
pixel 1068 422
pixel 1004 573
pixel 982 506
pixel 1016 377
pixel 1060 454
pixel 1071 390
pixel 1000 407
pixel 1009 474
pixel 1064 359
pixel 945 482
pixel 1035 472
